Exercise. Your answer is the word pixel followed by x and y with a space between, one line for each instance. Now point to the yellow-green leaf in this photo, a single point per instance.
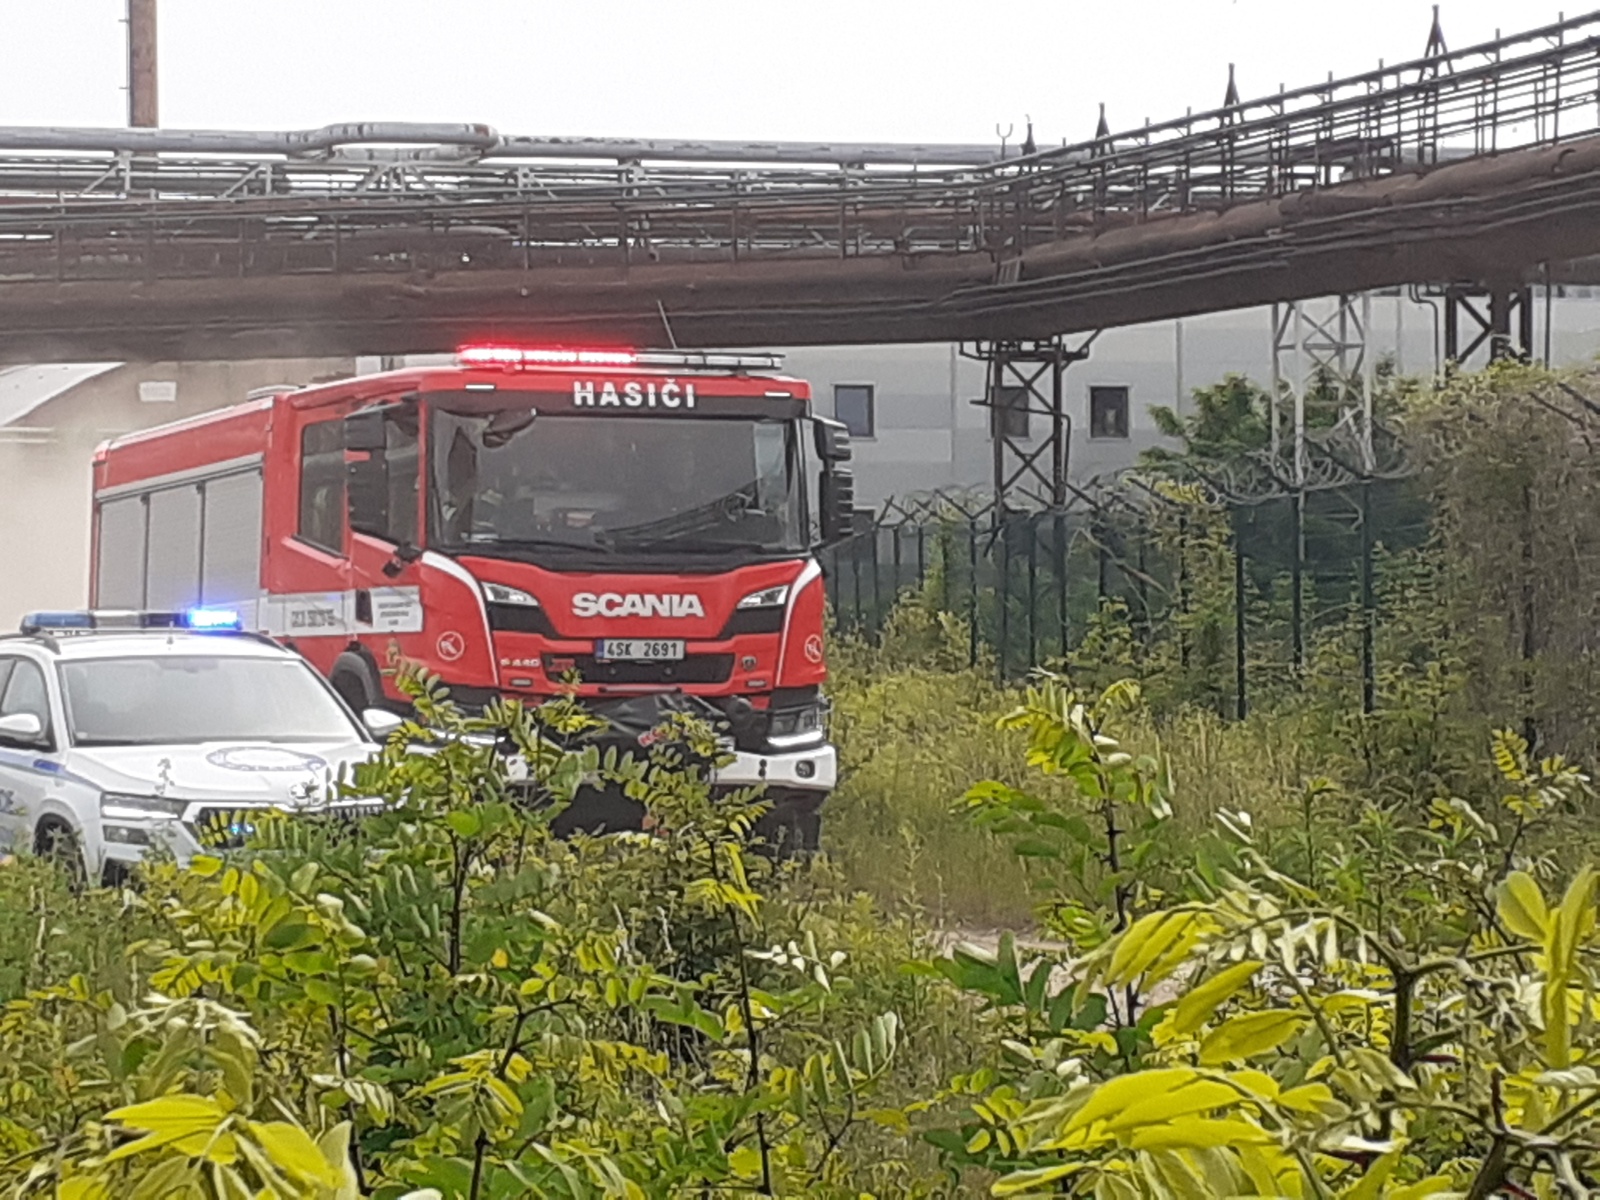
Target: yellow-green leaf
pixel 1197 1096
pixel 1196 1007
pixel 1033 1180
pixel 1430 1186
pixel 291 1149
pixel 190 1124
pixel 82 1187
pixel 1249 1034
pixel 746 1162
pixel 1148 939
pixel 1198 1133
pixel 1370 1185
pixel 1113 1096
pixel 178 1115
pixel 1521 906
pixel 1308 1098
pixel 1574 921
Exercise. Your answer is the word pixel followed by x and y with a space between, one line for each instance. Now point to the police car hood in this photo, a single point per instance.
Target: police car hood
pixel 241 772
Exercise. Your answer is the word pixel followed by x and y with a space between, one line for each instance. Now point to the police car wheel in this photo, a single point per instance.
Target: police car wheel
pixel 56 841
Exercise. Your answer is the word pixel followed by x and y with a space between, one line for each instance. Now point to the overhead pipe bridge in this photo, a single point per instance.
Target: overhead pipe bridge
pixel 1480 166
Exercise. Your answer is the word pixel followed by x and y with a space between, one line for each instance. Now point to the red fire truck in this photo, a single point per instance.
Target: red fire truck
pixel 642 521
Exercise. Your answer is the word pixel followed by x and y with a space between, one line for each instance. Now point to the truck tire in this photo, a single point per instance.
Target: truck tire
pixel 793 827
pixel 353 678
pixel 809 830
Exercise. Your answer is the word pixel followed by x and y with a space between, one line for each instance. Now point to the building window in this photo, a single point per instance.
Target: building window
pixel 322 474
pixel 1108 412
pixel 855 406
pixel 1010 413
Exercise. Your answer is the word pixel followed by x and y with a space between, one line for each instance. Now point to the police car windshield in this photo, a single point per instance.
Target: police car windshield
pixel 700 485
pixel 167 700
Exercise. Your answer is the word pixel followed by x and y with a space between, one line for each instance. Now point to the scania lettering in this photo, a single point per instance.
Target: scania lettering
pixel 587 604
pixel 636 524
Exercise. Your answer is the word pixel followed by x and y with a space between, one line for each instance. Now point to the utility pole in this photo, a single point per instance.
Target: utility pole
pixel 142 111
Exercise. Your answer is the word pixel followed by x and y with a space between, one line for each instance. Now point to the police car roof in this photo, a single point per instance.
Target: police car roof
pixel 149 643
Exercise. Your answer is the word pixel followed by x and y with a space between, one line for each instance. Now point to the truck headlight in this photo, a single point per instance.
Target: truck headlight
pixel 794 728
pixel 499 593
pixel 770 597
pixel 115 806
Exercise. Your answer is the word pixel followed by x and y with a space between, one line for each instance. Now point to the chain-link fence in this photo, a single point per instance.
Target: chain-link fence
pixel 1244 583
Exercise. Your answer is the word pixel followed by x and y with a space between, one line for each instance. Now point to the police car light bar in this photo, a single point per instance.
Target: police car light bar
pixel 207 620
pixel 566 356
pixel 212 618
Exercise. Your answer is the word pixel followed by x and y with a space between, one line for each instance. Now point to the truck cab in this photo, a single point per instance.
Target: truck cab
pixel 526 521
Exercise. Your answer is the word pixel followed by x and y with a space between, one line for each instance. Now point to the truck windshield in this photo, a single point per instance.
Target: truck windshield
pixel 708 485
pixel 173 700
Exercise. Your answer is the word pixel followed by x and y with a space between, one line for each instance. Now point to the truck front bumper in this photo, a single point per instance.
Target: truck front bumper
pixel 814 769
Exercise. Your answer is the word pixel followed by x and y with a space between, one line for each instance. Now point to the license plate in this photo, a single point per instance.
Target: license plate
pixel 639 650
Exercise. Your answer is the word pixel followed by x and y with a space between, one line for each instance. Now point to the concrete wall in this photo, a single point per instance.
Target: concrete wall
pixel 45 458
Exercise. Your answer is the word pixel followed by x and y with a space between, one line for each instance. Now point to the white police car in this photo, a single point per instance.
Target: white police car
pixel 121 730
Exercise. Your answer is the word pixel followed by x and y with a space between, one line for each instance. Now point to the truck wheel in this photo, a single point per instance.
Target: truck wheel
pixel 790 831
pixel 808 828
pixel 56 842
pixel 350 680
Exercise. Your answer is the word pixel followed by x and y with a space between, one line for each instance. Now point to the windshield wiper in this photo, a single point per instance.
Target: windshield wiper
pixel 533 544
pixel 699 545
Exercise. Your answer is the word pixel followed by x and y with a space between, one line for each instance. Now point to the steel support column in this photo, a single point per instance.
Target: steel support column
pixel 1322 370
pixel 1321 361
pixel 1024 384
pixel 1497 320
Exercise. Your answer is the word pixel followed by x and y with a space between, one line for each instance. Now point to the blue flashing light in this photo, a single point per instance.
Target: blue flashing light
pixel 200 620
pixel 212 618
pixel 57 620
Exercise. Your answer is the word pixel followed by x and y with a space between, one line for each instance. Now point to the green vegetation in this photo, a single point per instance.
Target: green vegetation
pixel 1318 952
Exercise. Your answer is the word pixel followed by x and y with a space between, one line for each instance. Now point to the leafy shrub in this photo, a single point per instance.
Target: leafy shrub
pixel 1407 1014
pixel 449 998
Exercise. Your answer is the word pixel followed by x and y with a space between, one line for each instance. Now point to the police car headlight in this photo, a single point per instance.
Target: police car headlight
pixel 797 727
pixel 770 597
pixel 117 807
pixel 499 593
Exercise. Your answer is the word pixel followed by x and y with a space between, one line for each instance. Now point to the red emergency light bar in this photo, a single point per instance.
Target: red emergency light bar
pixel 513 357
pixel 543 356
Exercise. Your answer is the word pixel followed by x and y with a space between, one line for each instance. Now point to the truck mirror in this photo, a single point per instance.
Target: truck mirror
pixel 838 496
pixel 367 429
pixel 833 440
pixel 367 472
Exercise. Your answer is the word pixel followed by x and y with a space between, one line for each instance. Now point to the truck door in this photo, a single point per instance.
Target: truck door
pixel 385 520
pixel 310 575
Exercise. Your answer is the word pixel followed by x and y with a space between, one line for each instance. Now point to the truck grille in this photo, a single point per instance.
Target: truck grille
pixel 696 668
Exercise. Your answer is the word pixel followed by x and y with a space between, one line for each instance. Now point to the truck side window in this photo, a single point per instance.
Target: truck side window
pixel 403 461
pixel 322 475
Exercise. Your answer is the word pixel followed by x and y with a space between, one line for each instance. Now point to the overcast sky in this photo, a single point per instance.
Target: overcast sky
pixel 858 70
